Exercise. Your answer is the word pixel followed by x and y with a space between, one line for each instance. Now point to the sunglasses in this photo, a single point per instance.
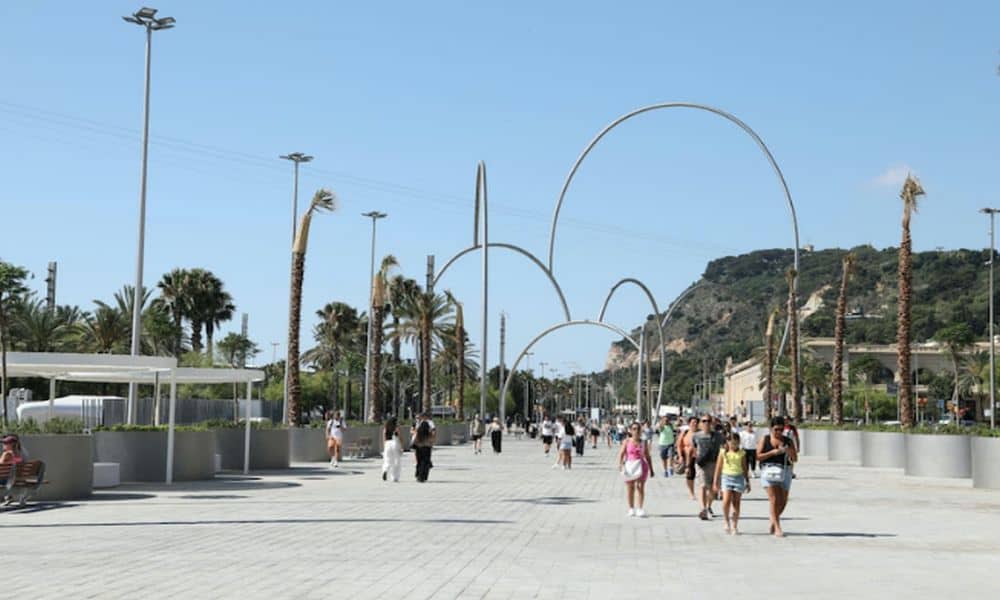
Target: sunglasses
pixel 705 421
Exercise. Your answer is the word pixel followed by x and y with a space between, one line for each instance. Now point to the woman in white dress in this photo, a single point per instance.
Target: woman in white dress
pixel 335 427
pixel 392 451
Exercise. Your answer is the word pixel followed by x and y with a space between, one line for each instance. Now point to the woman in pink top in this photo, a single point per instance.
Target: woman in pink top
pixel 633 451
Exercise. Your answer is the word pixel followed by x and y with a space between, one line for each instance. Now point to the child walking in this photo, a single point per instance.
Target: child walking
pixel 732 476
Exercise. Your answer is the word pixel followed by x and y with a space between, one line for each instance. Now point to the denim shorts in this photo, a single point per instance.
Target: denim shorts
pixel 666 452
pixel 734 483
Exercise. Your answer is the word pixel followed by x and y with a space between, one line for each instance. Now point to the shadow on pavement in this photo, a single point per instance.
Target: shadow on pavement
pixel 253 522
pixel 842 534
pixel 553 500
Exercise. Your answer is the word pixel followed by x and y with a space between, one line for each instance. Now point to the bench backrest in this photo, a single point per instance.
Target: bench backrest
pixel 5 471
pixel 29 471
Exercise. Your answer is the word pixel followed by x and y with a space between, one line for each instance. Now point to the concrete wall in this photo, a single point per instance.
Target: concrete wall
pixel 69 468
pixel 938 455
pixel 142 455
pixel 269 448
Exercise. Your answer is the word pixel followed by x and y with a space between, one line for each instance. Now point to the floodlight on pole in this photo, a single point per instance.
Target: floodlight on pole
pixel 144 17
pixel 993 403
pixel 374 215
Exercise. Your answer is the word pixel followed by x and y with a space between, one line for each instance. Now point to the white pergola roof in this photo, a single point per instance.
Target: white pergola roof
pixel 118 368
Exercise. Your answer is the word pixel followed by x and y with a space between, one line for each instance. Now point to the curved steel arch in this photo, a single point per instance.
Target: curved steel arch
pixel 716 111
pixel 659 330
pixel 521 251
pixel 551 329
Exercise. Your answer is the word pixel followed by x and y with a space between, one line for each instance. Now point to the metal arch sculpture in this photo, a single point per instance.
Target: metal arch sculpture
pixel 521 251
pixel 659 330
pixel 551 329
pixel 703 107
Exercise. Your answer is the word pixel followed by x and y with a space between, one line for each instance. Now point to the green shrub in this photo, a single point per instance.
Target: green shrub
pixel 55 426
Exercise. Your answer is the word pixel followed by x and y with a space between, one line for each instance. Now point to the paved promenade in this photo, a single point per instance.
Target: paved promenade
pixel 505 527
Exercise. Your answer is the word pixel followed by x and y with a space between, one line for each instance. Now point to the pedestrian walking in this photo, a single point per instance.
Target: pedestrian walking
pixel 707 443
pixel 392 451
pixel 548 430
pixel 476 433
pixel 667 444
pixel 686 448
pixel 595 433
pixel 566 443
pixel 496 434
pixel 606 430
pixel 423 442
pixel 620 431
pixel 732 476
pixel 579 435
pixel 776 453
pixel 748 442
pixel 636 466
pixel 335 427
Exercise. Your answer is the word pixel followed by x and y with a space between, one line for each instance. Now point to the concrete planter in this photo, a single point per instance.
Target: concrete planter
pixel 308 444
pixel 885 449
pixel 844 446
pixel 986 463
pixel 815 442
pixel 142 455
pixel 269 448
pixel 929 455
pixel 69 467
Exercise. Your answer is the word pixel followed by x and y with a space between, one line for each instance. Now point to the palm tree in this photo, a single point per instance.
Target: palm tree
pixel 459 345
pixel 335 334
pixel 323 200
pixel 909 194
pixel 837 403
pixel 815 380
pixel 769 364
pixel 207 304
pixel 12 289
pixel 39 329
pixel 793 345
pixel 380 296
pixel 175 290
pixel 976 375
pixel 400 287
pixel 425 316
pixel 106 331
pixel 955 340
pixel 234 350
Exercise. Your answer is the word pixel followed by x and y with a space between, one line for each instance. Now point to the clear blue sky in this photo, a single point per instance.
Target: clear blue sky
pixel 398 101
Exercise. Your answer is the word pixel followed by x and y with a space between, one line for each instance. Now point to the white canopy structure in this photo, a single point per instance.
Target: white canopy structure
pixel 117 368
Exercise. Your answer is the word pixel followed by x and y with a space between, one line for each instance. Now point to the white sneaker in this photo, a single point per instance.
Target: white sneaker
pixel 631 512
pixel 640 513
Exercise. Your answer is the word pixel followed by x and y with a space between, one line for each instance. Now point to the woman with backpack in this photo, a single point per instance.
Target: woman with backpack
pixel 636 466
pixel 776 454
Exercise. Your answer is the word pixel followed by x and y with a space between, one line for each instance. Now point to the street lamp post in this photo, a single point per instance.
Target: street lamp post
pixel 993 405
pixel 144 17
pixel 296 158
pixel 374 216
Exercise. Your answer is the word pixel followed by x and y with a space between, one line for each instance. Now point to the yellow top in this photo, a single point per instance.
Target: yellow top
pixel 732 462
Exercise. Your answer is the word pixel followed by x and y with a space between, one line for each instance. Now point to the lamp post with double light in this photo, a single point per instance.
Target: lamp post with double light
pixel 146 18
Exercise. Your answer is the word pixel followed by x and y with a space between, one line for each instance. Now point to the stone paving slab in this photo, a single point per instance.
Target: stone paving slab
pixel 505 526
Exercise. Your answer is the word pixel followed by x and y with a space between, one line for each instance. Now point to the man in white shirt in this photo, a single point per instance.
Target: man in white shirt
pixel 748 442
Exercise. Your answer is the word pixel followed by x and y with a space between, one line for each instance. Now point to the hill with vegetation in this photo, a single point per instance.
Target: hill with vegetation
pixel 725 316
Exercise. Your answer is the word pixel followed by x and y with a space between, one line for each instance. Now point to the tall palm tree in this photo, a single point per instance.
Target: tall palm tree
pixel 174 293
pixel 400 287
pixel 909 194
pixel 837 383
pixel 218 310
pixel 793 345
pixel 12 288
pixel 335 334
pixel 380 297
pixel 769 364
pixel 426 315
pixel 459 345
pixel 323 200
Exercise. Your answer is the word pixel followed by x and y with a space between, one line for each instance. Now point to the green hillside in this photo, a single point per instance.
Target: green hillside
pixel 726 315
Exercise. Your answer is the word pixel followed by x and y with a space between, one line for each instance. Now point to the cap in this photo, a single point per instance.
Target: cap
pixel 8 439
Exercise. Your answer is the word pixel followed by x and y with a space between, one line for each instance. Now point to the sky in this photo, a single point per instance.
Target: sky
pixel 399 101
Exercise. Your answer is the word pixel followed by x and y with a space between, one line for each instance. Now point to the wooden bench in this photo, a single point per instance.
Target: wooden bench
pixel 22 480
pixel 360 448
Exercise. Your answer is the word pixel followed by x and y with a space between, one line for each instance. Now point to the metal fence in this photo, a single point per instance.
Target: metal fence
pixel 188 411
